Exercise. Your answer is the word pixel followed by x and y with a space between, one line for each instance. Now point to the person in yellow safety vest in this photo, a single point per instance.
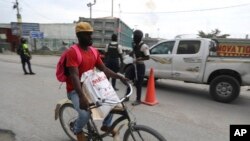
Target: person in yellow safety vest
pixel 25 56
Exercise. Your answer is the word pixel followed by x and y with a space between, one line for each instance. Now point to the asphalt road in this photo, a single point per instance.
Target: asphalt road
pixel 185 111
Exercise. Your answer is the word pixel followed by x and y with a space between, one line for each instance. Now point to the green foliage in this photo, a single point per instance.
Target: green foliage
pixel 214 34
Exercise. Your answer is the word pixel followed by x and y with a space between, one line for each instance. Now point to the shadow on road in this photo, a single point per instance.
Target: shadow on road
pixel 6 135
pixel 178 88
pixel 195 91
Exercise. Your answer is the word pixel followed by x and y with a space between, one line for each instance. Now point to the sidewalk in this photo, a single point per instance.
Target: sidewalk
pixel 38 60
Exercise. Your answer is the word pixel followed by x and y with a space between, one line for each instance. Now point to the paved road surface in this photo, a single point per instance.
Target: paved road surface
pixel 185 111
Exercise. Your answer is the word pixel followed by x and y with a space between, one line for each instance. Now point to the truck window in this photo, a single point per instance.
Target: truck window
pixel 213 45
pixel 188 47
pixel 163 48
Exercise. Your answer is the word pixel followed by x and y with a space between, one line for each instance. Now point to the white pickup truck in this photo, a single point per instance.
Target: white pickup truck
pixel 196 61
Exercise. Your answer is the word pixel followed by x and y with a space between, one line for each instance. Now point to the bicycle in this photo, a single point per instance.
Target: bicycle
pixel 134 132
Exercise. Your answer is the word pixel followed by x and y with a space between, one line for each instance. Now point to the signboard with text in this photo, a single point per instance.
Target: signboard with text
pixel 229 49
pixel 36 35
pixel 26 28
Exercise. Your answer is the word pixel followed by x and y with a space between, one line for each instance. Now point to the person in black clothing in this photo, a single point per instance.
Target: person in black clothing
pixel 140 53
pixel 25 56
pixel 113 52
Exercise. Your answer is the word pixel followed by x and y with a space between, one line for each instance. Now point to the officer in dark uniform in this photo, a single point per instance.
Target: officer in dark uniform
pixel 140 53
pixel 113 53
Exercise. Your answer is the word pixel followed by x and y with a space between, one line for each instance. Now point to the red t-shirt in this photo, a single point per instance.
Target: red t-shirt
pixel 89 61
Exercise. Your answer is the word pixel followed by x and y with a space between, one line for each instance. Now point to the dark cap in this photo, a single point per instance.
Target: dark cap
pixel 138 33
pixel 114 37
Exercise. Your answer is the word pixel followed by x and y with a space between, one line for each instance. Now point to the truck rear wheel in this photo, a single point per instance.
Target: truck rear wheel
pixel 224 88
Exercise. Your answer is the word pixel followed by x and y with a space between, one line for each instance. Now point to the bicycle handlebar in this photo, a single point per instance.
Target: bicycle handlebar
pixel 122 99
pixel 106 101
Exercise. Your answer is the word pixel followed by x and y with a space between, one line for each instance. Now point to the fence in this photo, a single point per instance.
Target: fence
pixel 50 44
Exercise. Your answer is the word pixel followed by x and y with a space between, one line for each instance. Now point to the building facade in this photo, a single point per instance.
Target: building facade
pixel 105 27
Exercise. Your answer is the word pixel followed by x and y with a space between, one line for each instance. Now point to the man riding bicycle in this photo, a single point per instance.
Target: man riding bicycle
pixel 73 85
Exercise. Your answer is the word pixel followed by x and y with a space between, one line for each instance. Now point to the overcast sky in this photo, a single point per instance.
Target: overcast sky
pixel 159 18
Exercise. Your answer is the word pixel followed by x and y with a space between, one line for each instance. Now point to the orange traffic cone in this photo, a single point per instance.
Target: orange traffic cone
pixel 150 98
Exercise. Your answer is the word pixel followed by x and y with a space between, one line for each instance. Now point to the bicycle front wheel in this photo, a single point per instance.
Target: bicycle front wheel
pixel 142 133
pixel 67 116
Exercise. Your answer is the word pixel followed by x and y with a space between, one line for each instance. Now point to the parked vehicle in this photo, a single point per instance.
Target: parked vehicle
pixel 198 61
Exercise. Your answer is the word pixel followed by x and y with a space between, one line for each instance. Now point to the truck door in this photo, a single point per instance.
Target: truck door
pixel 161 59
pixel 187 63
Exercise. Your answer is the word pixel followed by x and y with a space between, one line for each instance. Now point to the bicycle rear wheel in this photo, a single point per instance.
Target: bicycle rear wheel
pixel 142 133
pixel 67 116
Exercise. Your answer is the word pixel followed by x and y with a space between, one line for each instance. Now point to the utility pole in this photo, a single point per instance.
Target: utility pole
pixel 119 26
pixel 19 17
pixel 90 8
pixel 158 32
pixel 112 7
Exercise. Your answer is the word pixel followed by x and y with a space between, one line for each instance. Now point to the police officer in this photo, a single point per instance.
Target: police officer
pixel 25 56
pixel 140 53
pixel 113 52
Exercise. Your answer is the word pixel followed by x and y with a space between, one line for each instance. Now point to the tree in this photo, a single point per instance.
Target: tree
pixel 214 34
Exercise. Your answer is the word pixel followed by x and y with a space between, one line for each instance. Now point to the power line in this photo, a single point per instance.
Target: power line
pixel 5 1
pixel 6 4
pixel 33 10
pixel 208 9
pixel 184 11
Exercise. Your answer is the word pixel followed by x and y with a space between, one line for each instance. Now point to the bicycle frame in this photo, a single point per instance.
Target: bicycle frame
pixel 124 114
pixel 133 131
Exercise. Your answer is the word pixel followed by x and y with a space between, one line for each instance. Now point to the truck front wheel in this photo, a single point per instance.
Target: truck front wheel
pixel 224 88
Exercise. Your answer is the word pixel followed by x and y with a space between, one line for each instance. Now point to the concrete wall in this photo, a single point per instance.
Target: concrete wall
pixel 58 31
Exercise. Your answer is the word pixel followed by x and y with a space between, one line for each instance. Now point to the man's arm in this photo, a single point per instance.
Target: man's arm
pixel 110 73
pixel 106 50
pixel 74 75
pixel 26 49
pixel 107 71
pixel 120 53
pixel 142 58
pixel 145 50
pixel 131 53
pixel 29 53
pixel 121 59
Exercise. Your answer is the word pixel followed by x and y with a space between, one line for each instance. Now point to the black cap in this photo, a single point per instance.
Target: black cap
pixel 138 33
pixel 114 37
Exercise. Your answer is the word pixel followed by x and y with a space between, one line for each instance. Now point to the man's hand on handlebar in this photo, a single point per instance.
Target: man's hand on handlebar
pixel 84 104
pixel 124 80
